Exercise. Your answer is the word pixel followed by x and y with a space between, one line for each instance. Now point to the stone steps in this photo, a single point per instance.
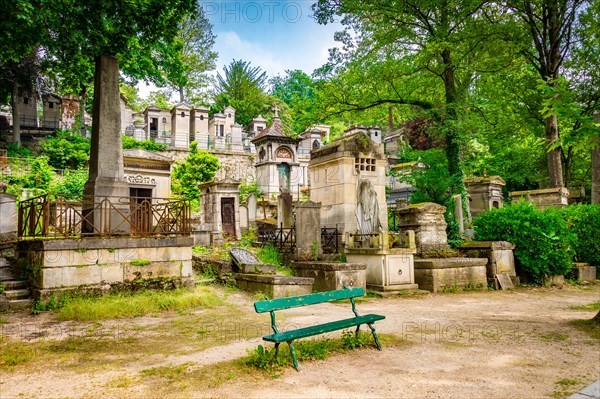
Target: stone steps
pixel 16 294
pixel 22 293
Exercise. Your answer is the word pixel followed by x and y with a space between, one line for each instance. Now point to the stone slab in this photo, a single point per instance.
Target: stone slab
pixel 274 286
pixel 253 268
pixel 504 281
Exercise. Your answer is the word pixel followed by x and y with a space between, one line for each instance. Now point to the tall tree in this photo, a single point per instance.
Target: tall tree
pixel 296 89
pixel 196 41
pixel 441 43
pixel 242 87
pixel 550 24
pixel 19 61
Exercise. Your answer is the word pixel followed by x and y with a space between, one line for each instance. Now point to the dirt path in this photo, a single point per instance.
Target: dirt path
pixel 496 345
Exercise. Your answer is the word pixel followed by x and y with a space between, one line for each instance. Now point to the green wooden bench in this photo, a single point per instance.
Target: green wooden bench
pixel 272 305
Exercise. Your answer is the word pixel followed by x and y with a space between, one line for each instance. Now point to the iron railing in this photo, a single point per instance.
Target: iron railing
pixel 42 217
pixel 330 242
pixel 284 239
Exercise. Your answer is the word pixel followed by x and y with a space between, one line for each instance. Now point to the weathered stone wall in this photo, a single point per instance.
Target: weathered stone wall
pixel 8 217
pixel 59 264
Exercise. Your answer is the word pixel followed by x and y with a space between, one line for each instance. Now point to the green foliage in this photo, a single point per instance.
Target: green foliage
pixel 544 244
pixel 131 95
pixel 248 238
pixel 70 184
pixel 67 150
pixel 249 188
pixel 37 180
pixel 584 222
pixel 16 151
pixel 269 254
pixel 130 142
pixel 198 167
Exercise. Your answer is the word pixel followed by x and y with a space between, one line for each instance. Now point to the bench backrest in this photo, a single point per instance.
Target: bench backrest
pixel 309 299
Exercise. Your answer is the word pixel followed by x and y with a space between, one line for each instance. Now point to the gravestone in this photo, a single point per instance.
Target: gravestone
pixel 458 212
pixel 284 210
pixel 106 175
pixel 308 230
pixel 244 261
pixel 251 204
pixel 244 217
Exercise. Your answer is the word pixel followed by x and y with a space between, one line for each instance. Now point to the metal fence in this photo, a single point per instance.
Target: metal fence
pixel 330 241
pixel 43 217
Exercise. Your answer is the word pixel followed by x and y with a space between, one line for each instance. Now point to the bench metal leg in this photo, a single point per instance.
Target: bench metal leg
pixel 375 336
pixel 276 350
pixel 293 353
pixel 357 330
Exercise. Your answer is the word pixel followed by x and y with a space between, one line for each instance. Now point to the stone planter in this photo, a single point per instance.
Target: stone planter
pixel 436 273
pixel 331 276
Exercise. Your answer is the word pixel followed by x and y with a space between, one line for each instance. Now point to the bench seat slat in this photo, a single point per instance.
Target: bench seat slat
pixel 308 299
pixel 322 328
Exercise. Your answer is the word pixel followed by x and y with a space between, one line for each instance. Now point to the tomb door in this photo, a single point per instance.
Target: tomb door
pixel 228 215
pixel 141 209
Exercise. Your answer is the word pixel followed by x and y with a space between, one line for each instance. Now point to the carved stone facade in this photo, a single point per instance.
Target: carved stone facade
pixel 148 174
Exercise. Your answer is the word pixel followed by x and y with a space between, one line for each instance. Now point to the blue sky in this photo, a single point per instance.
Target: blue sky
pixel 274 35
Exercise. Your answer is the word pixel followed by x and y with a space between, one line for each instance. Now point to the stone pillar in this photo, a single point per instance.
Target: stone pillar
pixel 8 216
pixel 458 212
pixel 284 210
pixel 308 230
pixel 106 176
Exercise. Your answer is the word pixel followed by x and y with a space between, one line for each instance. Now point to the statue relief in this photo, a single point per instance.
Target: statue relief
pixel 367 208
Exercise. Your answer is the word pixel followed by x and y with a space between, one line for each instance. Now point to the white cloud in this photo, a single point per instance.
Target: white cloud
pixel 231 46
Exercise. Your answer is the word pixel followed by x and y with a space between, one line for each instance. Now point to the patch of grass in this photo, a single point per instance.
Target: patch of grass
pixel 168 372
pixel 554 336
pixel 450 289
pixel 589 306
pixel 473 287
pixel 589 326
pixel 122 382
pixel 140 262
pixel 565 388
pixel 14 354
pixel 121 305
pixel 201 250
pixel 313 349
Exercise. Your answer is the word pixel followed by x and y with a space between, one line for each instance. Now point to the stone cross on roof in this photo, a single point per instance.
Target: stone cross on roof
pixel 276 111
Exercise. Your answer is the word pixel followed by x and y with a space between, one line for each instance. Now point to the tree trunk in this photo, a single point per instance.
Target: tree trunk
pixel 596 176
pixel 596 170
pixel 181 94
pixel 554 156
pixel 16 116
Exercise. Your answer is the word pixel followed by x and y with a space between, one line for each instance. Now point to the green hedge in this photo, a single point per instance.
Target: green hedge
pixel 584 222
pixel 544 244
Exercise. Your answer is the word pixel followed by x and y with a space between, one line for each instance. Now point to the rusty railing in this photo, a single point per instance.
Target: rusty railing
pixel 42 217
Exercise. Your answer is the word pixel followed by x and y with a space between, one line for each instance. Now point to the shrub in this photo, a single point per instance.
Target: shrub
pixel 544 245
pixel 130 142
pixel 68 150
pixel 584 222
